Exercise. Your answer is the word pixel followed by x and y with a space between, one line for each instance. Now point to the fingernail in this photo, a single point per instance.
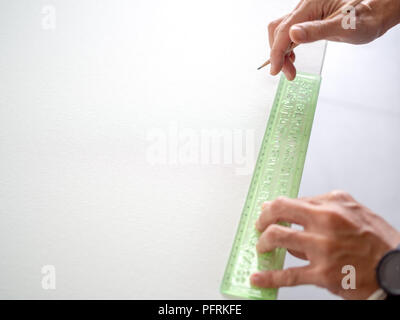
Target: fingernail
pixel 274 70
pixel 299 33
pixel 265 204
pixel 255 278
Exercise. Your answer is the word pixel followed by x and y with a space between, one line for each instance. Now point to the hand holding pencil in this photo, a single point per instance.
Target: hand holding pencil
pixel 314 20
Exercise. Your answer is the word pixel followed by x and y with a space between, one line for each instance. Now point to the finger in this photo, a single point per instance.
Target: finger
pixel 316 30
pixel 285 210
pixel 289 69
pixel 274 24
pixel 284 278
pixel 282 39
pixel 317 200
pixel 335 195
pixel 292 56
pixel 339 195
pixel 276 236
pixel 298 254
pixel 272 27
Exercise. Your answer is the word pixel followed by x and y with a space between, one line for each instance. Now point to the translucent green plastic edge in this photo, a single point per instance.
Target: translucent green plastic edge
pixel 277 172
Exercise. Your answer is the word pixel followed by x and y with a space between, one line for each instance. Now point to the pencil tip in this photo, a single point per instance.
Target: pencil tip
pixel 264 64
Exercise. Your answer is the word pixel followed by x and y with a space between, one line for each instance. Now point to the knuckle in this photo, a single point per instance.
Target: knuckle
pixel 340 195
pixel 272 232
pixel 282 29
pixel 277 204
pixel 353 205
pixel 272 26
pixel 284 26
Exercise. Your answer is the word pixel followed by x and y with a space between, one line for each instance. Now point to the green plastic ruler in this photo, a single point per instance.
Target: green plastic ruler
pixel 278 172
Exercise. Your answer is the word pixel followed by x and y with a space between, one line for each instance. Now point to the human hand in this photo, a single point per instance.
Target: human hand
pixel 305 24
pixel 338 231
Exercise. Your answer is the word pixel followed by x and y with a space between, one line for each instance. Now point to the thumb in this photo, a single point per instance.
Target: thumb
pixel 315 30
